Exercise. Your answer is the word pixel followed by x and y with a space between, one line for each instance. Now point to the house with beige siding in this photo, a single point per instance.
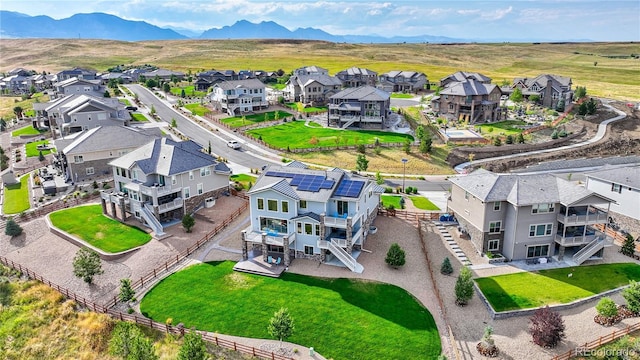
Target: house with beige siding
pixel 239 97
pixel 622 184
pixel 356 77
pixel 362 107
pixel 311 85
pixel 468 100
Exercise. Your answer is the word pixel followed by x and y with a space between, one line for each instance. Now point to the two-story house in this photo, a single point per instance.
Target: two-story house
pixel 206 79
pixel 162 74
pixel 297 212
pixel 160 182
pixel 85 156
pixel 75 113
pixel 622 184
pixel 355 77
pixel 460 76
pixel 311 85
pixel 550 88
pixel 78 73
pixel 402 81
pixel 363 107
pixel 468 100
pixel 529 216
pixel 239 97
pixel 76 86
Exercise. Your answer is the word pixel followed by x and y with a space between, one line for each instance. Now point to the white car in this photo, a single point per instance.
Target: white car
pixel 233 144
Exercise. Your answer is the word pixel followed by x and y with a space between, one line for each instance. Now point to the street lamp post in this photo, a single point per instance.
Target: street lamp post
pixel 404 167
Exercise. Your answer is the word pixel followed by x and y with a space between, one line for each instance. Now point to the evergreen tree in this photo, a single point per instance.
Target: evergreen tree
pixel 281 325
pixel 464 287
pixel 87 264
pixel 420 132
pixel 509 140
pixel 126 291
pixel 379 179
pixel 41 156
pixel 395 256
pixel 12 228
pixel 193 347
pixel 497 141
pixel 407 146
pixel 632 296
pixel 188 222
pixel 520 139
pixel 446 268
pixel 629 246
pixel 362 164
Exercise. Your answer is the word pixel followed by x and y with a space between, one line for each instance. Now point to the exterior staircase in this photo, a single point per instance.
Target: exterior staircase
pixel 151 220
pixel 349 123
pixel 346 259
pixel 590 249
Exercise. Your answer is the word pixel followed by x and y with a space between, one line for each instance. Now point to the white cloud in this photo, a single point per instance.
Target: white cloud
pixel 496 14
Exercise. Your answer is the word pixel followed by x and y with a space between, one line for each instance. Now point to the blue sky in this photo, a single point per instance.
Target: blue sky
pixel 519 19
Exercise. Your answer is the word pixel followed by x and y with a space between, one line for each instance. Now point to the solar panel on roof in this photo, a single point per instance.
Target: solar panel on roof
pixel 296 179
pixel 349 188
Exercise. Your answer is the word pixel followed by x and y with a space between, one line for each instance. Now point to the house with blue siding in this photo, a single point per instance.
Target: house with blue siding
pixel 297 212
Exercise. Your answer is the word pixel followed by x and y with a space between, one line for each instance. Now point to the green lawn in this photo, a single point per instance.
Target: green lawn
pixel 391 200
pixel 238 121
pixel 501 128
pixel 298 136
pixel 546 287
pixel 310 109
pixel 16 197
pixel 27 130
pixel 125 101
pixel 402 96
pixel 32 148
pixel 340 318
pixel 243 179
pixel 423 203
pixel 89 224
pixel 197 109
pixel 139 117
pixel 188 91
pixel 278 86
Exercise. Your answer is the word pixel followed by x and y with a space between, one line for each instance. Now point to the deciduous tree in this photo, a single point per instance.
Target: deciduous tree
pixel 546 327
pixel 281 325
pixel 87 264
pixel 193 347
pixel 188 222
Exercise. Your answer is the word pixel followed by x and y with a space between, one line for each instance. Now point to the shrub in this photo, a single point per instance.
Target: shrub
pixel 388 190
pixel 12 228
pixel 464 287
pixel 632 296
pixel 87 264
pixel 193 347
pixel 497 141
pixel 607 307
pixel 446 268
pixel 520 139
pixel 415 190
pixel 554 134
pixel 546 327
pixel 361 149
pixel 408 190
pixel 509 139
pixel 629 246
pixel 188 222
pixel 395 256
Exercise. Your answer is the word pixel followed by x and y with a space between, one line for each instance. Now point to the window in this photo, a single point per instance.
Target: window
pixel 190 175
pixel 199 189
pixel 540 230
pixel 118 171
pixel 135 174
pixel 308 250
pixel 542 208
pixel 494 227
pixel 173 180
pixel 493 245
pixel 308 229
pixel 78 159
pixel 343 207
pixel 186 192
pixel 205 171
pixel 616 188
pixel 496 205
pixel 299 230
pixel 318 229
pixel 537 251
pixel 272 205
pixel 285 206
pixel 260 204
pixel 90 171
pixel 303 204
pixel 466 195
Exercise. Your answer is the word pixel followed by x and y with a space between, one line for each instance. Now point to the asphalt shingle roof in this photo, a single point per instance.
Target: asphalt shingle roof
pixel 362 93
pixel 627 176
pixel 108 138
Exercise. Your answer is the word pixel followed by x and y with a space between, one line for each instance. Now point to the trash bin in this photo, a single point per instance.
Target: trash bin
pixel 311 352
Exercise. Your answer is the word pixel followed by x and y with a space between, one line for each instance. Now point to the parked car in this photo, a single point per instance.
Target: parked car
pixel 131 108
pixel 233 144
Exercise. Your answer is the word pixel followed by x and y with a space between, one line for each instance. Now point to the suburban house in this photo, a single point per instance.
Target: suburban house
pixel 550 88
pixel 206 79
pixel 402 81
pixel 85 156
pixel 75 86
pixel 529 216
pixel 297 212
pixel 460 76
pixel 363 107
pixel 622 185
pixel 74 113
pixel 161 181
pixel 162 74
pixel 78 73
pixel 121 78
pixel 355 77
pixel 239 97
pixel 311 85
pixel 468 100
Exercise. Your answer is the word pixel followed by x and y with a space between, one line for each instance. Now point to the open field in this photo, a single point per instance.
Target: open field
pixel 16 197
pixel 612 77
pixel 353 319
pixel 8 103
pixel 89 224
pixel 547 287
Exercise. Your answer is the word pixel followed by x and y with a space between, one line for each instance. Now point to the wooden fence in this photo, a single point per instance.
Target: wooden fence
pixel 602 340
pixel 411 216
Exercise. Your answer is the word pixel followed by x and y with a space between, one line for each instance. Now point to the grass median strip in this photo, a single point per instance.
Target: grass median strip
pixel 89 224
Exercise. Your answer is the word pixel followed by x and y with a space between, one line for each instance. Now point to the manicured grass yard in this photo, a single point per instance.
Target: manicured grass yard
pixel 243 179
pixel 237 121
pixel 197 109
pixel 89 224
pixel 546 287
pixel 402 96
pixel 32 148
pixel 423 203
pixel 188 91
pixel 501 128
pixel 340 318
pixel 138 117
pixel 125 101
pixel 310 109
pixel 16 197
pixel 298 136
pixel 27 130
pixel 391 200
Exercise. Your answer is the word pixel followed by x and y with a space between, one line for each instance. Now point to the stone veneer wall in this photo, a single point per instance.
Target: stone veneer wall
pixel 626 223
pixel 192 202
pixel 476 236
pixel 301 255
pixel 100 170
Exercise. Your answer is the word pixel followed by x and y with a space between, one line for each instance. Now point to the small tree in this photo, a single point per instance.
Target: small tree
pixel 520 139
pixel 362 164
pixel 516 95
pixel 632 296
pixel 126 291
pixel 509 140
pixel 188 222
pixel 607 307
pixel 361 148
pixel 166 87
pixel 12 228
pixel 425 145
pixel 87 264
pixel 546 327
pixel 497 141
pixel 446 268
pixel 174 123
pixel 464 287
pixel 406 147
pixel 122 339
pixel 379 179
pixel 281 325
pixel 420 132
pixel 18 111
pixel 395 256
pixel 486 346
pixel 142 349
pixel 193 347
pixel 40 156
pixel 629 246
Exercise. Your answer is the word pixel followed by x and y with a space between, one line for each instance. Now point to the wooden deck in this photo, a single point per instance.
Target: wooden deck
pixel 259 267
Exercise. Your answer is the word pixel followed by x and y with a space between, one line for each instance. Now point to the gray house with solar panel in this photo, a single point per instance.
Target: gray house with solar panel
pixel 297 212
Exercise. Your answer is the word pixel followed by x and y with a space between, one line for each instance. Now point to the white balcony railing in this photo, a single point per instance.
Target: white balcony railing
pixel 575 240
pixel 340 222
pixel 323 244
pixel 594 218
pixel 159 190
pixel 176 203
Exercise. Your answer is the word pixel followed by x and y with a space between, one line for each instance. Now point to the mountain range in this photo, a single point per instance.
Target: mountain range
pixel 105 26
